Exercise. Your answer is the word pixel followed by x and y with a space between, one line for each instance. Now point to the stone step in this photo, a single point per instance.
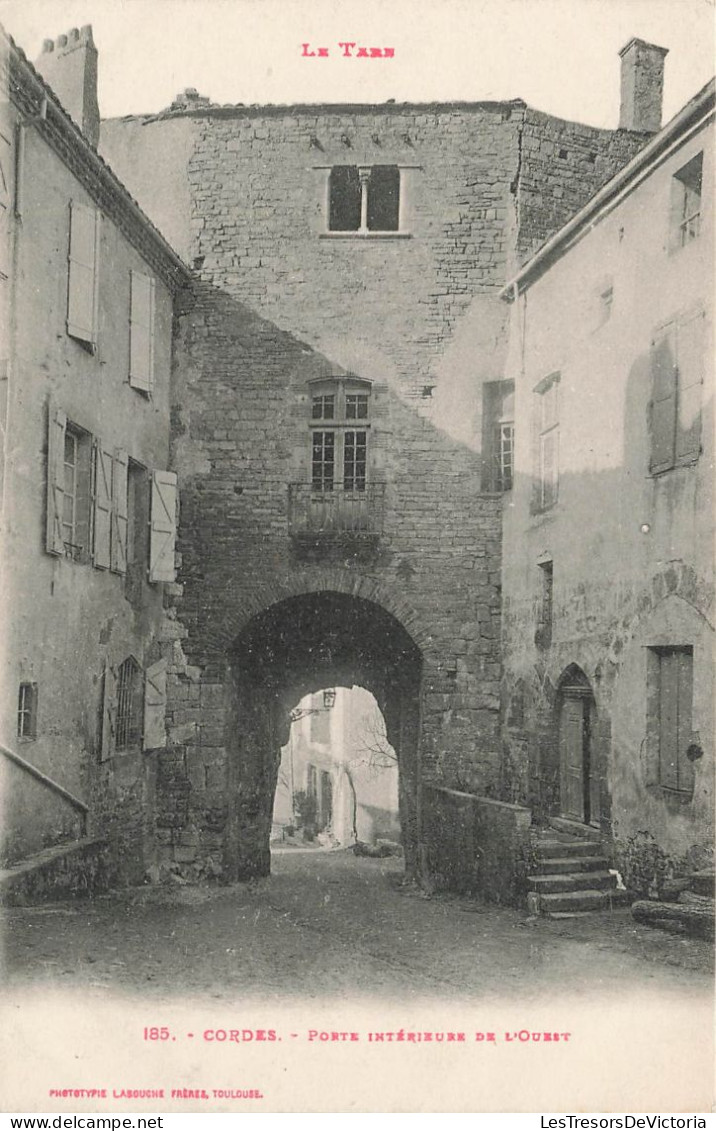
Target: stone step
pixel 585 900
pixel 573 828
pixel 573 882
pixel 552 866
pixel 559 849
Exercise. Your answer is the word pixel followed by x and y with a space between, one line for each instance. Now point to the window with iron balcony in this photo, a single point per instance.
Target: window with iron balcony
pixel 341 496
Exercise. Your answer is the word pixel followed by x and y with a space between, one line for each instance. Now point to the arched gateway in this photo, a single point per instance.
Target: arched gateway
pixel 297 645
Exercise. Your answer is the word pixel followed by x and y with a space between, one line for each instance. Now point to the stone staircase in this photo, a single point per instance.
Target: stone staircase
pixel 570 873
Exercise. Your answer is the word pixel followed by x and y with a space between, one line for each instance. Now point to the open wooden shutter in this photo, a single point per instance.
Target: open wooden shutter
pixel 102 507
pixel 82 278
pixel 155 702
pixel 119 513
pixel 162 532
pixel 690 376
pixel 109 713
pixel 141 331
pixel 663 399
pixel 56 426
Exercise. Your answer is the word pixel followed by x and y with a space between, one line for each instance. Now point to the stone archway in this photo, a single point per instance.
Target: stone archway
pixel 297 645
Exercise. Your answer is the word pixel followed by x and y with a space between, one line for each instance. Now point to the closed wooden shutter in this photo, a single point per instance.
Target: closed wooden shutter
pixel 109 713
pixel 549 443
pixel 155 701
pixel 119 512
pixel 663 399
pixel 141 331
pixel 56 426
pixel 690 376
pixel 162 532
pixel 675 726
pixel 102 507
pixel 82 276
pixel 6 164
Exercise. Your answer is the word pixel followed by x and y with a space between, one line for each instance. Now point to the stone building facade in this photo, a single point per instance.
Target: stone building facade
pixel 88 291
pixel 608 554
pixel 339 430
pixel 349 260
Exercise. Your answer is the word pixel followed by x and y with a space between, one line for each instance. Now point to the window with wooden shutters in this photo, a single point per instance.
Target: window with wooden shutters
pixel 69 461
pixel 677 373
pixel 689 386
pixel 82 274
pixel 546 484
pixel 102 522
pixel 141 332
pixel 118 547
pixel 162 529
pixel 670 674
pixel 57 423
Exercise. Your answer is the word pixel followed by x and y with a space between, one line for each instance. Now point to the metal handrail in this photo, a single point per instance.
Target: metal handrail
pixel 45 780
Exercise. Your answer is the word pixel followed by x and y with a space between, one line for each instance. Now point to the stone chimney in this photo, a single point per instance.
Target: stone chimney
pixel 642 86
pixel 69 65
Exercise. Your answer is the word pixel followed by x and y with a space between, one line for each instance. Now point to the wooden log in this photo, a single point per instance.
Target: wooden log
pixel 698 920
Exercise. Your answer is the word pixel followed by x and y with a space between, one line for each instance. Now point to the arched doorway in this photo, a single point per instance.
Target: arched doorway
pixel 579 777
pixel 297 646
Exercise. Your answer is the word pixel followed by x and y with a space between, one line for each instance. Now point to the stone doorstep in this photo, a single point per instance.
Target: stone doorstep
pixel 553 866
pixel 563 849
pixel 587 900
pixel 574 828
pixel 573 882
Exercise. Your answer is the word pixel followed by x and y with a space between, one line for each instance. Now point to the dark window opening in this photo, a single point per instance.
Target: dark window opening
pixel 543 636
pixel 366 199
pixel 384 198
pixel 345 199
pixel 27 711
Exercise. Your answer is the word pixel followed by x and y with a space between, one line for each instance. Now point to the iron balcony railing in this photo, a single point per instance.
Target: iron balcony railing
pixel 338 511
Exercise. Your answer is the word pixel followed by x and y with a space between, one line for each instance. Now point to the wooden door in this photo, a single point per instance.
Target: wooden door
pixel 572 758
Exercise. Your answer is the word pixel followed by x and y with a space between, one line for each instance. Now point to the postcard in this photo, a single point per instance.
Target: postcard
pixel 357 749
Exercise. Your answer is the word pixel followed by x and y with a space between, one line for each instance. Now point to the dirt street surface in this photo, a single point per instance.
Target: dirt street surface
pixel 327 924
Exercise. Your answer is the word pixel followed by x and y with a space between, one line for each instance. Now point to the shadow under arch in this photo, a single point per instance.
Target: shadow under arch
pixel 298 645
pixel 577 771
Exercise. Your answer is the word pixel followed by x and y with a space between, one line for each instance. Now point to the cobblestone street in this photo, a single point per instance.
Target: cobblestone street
pixel 329 923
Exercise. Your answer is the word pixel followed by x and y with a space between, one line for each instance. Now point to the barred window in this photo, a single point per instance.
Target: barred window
pixel 130 701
